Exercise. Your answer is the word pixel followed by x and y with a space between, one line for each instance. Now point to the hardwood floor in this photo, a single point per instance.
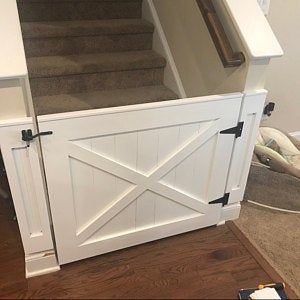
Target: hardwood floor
pixel 207 264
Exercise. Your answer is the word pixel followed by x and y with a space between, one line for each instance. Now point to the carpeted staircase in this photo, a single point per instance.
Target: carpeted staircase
pixel 87 54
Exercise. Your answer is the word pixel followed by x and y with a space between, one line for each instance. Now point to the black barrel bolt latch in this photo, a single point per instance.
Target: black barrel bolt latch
pixel 27 135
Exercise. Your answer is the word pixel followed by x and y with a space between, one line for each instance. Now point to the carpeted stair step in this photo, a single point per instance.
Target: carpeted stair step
pixel 75 37
pixel 101 99
pixel 49 66
pixel 62 10
pixel 52 75
pixel 85 28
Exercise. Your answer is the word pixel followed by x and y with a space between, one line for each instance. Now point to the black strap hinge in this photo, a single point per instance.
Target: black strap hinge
pixel 237 130
pixel 27 135
pixel 224 200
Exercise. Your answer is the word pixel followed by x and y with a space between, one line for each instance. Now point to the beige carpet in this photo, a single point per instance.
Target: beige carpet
pixel 277 237
pixel 273 189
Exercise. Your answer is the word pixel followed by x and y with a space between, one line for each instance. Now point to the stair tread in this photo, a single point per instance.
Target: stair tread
pixel 85 28
pixel 62 10
pixel 40 1
pixel 52 66
pixel 101 99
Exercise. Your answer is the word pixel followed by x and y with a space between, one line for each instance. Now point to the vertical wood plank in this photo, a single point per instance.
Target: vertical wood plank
pixel 126 152
pixel 104 145
pixel 147 154
pixel 120 224
pixel 145 210
pixel 104 190
pixel 146 161
pixel 203 169
pixel 220 167
pixel 167 145
pixel 126 149
pixel 167 210
pixel 82 176
pixel 185 170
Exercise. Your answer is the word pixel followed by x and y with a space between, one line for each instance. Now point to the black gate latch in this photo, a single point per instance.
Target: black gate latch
pixel 27 135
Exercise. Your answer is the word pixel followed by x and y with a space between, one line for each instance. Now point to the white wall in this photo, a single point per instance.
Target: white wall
pixel 196 57
pixel 12 101
pixel 197 60
pixel 13 69
pixel 283 78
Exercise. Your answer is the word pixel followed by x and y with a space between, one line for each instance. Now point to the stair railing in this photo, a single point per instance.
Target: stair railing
pixel 228 56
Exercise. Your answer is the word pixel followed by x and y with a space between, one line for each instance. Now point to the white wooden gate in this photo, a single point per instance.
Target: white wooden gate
pixel 124 176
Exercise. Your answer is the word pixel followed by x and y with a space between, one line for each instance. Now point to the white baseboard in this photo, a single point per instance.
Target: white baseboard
pixel 296 135
pixel 41 264
pixel 230 213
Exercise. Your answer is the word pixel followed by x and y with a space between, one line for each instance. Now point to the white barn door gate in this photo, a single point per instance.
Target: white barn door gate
pixel 123 176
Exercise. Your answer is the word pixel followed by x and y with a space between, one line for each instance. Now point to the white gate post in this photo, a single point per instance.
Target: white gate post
pixel 29 195
pixel 251 113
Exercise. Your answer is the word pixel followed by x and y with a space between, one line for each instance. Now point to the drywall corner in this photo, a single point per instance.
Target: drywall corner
pixel 12 100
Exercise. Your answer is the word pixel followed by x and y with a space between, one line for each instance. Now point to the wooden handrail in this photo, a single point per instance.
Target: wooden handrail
pixel 228 57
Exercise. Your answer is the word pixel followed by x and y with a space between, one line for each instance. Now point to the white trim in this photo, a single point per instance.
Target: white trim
pixel 41 264
pixel 253 29
pixel 230 213
pixel 12 54
pixel 160 45
pixel 27 96
pixel 15 122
